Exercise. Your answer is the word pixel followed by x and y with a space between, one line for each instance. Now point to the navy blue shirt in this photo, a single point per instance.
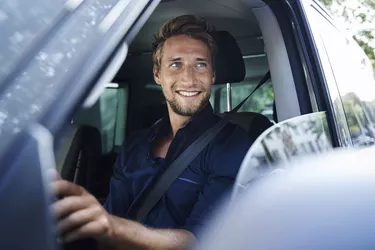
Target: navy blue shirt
pixel 193 195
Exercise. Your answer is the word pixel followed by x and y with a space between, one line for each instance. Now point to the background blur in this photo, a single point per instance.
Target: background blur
pixel 358 17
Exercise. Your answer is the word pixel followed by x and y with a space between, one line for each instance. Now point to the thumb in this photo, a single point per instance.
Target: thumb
pixel 53 175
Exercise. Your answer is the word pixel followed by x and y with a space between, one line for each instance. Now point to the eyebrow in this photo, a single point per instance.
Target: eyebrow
pixel 202 59
pixel 199 59
pixel 175 59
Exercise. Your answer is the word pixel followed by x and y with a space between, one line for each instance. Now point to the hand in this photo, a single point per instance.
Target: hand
pixel 79 214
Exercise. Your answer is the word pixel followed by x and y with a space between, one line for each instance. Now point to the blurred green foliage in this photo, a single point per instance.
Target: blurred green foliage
pixel 359 14
pixel 261 101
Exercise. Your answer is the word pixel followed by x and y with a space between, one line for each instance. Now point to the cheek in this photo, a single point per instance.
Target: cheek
pixel 205 78
pixel 168 81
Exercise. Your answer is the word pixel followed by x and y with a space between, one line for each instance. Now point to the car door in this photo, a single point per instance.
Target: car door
pixel 55 56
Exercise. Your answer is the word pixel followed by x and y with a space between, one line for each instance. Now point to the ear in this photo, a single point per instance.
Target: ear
pixel 157 75
pixel 213 77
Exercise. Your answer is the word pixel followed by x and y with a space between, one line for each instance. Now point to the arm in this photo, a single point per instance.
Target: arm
pixel 132 235
pixel 80 216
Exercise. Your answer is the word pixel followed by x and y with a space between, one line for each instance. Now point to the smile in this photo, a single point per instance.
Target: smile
pixel 188 93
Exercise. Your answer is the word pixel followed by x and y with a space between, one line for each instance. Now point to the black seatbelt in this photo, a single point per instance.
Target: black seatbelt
pixel 184 160
pixel 176 169
pixel 265 78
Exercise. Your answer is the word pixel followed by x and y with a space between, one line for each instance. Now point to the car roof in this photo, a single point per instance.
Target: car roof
pixel 228 15
pixel 224 15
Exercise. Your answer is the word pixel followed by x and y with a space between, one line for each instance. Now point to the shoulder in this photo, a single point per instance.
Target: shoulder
pixel 228 149
pixel 140 136
pixel 136 138
pixel 132 146
pixel 232 136
pixel 133 143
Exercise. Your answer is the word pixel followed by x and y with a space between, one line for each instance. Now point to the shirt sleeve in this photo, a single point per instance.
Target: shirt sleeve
pixel 225 161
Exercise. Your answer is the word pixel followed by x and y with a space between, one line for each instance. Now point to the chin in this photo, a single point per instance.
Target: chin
pixel 190 111
pixel 186 109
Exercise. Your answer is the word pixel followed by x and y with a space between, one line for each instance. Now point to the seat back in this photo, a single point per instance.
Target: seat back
pixel 253 123
pixel 79 156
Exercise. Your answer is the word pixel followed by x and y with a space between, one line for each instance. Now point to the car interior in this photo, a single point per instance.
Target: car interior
pixel 251 37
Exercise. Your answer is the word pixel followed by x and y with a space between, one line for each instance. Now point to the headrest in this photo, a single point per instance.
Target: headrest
pixel 230 67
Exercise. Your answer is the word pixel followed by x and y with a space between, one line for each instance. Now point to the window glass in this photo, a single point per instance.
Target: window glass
pixel 21 23
pixel 354 77
pixel 108 115
pixel 317 22
pixel 261 101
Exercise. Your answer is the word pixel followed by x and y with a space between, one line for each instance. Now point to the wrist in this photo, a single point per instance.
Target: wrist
pixel 108 237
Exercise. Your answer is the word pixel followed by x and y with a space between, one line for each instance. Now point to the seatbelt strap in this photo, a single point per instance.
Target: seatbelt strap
pixel 176 169
pixel 184 160
pixel 265 78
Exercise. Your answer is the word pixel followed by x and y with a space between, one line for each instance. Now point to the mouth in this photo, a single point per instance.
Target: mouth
pixel 188 93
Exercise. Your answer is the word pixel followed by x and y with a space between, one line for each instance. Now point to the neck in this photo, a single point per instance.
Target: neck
pixel 177 121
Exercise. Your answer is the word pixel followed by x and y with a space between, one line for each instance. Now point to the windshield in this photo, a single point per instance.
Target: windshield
pixel 20 23
pixel 47 50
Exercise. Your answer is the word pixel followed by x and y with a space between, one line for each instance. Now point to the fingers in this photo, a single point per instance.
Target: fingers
pixel 79 218
pixel 71 204
pixel 98 228
pixel 65 188
pixel 79 214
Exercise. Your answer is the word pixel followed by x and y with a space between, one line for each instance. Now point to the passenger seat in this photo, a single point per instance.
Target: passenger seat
pixel 230 68
pixel 79 155
pixel 253 123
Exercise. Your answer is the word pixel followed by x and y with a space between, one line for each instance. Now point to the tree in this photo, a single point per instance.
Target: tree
pixel 359 16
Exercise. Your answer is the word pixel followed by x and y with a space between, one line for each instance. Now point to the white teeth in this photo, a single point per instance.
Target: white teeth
pixel 185 93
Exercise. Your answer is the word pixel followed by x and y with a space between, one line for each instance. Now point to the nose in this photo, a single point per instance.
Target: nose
pixel 188 75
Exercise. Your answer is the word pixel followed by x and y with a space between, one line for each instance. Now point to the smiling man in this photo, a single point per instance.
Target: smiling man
pixel 183 55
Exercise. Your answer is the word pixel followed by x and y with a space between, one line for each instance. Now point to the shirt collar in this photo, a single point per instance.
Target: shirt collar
pixel 200 122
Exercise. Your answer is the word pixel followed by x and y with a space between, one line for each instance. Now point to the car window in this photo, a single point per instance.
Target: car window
pixel 20 23
pixel 317 22
pixel 354 76
pixel 108 115
pixel 356 86
pixel 261 101
pixel 57 52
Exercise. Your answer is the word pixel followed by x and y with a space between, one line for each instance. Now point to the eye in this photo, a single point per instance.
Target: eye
pixel 176 65
pixel 202 65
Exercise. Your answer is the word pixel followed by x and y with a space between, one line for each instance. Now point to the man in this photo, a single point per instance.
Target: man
pixel 183 55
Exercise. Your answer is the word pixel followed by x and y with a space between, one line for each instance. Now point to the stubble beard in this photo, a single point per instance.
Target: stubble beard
pixel 191 110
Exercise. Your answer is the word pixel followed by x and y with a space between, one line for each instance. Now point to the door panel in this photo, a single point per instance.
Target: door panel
pixel 24 214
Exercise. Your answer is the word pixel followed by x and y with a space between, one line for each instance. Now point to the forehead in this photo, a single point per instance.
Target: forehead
pixel 183 45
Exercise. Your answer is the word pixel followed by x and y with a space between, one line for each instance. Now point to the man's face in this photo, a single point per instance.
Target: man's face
pixel 185 74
